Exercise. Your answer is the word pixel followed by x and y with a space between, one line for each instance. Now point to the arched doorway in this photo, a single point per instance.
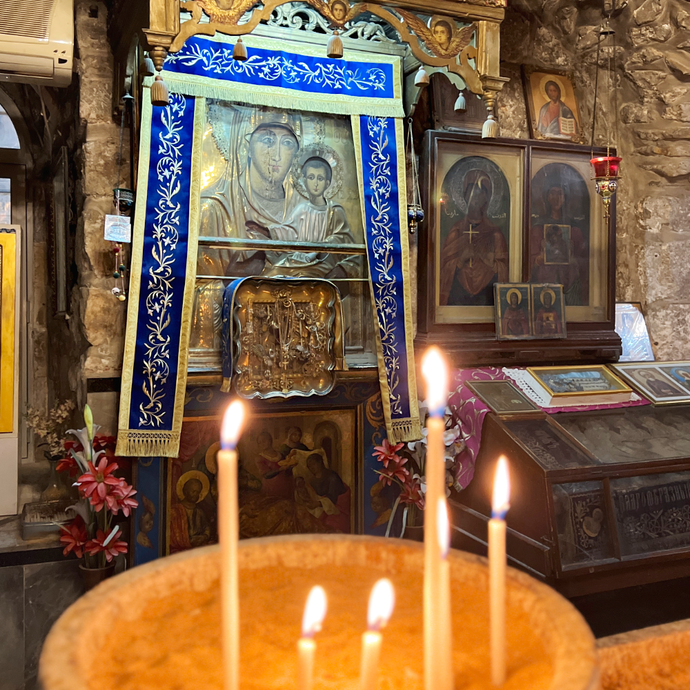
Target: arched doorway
pixel 14 161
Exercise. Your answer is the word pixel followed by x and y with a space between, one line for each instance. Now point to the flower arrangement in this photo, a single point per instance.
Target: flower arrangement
pixel 93 534
pixel 403 465
pixel 50 428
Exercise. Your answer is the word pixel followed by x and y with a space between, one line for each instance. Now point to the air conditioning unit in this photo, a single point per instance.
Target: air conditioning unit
pixel 37 41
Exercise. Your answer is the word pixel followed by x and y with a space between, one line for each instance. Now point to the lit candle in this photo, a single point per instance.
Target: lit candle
pixel 497 571
pixel 437 675
pixel 228 535
pixel 381 601
pixel 314 613
pixel 444 604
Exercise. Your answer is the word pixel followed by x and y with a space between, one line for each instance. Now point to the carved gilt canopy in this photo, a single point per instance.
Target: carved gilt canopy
pixel 472 52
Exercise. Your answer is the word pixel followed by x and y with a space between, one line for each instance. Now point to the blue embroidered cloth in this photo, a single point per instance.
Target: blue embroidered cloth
pixel 165 233
pixel 157 290
pixel 386 226
pixel 300 78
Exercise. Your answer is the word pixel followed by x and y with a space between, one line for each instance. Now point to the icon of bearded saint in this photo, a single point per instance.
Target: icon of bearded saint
pixel 474 255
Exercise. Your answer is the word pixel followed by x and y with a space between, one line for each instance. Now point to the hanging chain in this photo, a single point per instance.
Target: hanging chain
pixel 415 212
pixel 596 92
pixel 119 157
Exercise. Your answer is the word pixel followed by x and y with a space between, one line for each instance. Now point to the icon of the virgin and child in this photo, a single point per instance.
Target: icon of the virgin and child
pixel 276 186
pixel 279 182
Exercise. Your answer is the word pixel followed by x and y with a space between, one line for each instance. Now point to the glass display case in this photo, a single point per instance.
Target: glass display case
pixel 600 500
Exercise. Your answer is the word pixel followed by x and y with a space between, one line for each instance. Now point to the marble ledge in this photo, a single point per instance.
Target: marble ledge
pixel 11 537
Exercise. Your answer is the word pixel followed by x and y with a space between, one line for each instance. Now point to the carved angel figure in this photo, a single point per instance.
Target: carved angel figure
pixel 229 12
pixel 226 11
pixel 338 12
pixel 442 37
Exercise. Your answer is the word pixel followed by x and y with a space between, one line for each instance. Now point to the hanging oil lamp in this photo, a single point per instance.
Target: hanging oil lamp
pixel 605 169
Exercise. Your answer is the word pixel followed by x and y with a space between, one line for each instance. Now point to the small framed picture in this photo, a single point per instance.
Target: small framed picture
pixel 632 328
pixel 513 311
pixel 554 111
pixel 579 380
pixel 548 311
pixel 502 396
pixel 556 244
pixel 661 382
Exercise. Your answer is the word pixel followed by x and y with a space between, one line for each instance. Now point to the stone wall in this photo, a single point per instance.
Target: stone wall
pixel 101 317
pixel 653 78
pixel 65 351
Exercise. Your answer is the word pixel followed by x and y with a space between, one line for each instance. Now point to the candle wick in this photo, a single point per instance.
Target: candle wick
pixel 500 513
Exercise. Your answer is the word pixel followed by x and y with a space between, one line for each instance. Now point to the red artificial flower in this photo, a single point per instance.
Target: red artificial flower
pixel 72 445
pixel 123 495
pixel 96 482
pixel 387 452
pixel 103 442
pixel 111 549
pixel 74 537
pixel 394 470
pixel 120 497
pixel 68 464
pixel 411 493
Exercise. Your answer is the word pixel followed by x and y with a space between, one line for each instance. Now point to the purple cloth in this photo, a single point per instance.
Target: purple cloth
pixel 469 411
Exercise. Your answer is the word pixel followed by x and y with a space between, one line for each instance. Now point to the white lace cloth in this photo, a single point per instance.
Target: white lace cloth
pixel 537 393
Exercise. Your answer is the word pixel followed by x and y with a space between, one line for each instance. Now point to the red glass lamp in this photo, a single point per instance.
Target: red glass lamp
pixel 605 172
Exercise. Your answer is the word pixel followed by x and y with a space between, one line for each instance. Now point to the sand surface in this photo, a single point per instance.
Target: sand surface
pixel 656 658
pixel 174 643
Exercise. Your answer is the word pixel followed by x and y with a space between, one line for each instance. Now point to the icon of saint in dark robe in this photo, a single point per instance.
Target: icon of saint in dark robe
pixel 514 321
pixel 548 322
pixel 558 246
pixel 662 389
pixel 474 255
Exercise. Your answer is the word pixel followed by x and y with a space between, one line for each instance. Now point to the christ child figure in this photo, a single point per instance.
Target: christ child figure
pixel 317 220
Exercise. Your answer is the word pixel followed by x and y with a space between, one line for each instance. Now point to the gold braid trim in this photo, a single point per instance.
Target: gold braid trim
pixel 123 445
pixel 407 429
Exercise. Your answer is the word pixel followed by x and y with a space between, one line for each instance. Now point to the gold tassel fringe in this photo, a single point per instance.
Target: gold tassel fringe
pixel 147 444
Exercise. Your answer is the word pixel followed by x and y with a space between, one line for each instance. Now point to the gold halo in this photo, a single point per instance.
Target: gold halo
pixel 510 292
pixel 193 474
pixel 210 458
pixel 542 86
pixel 550 292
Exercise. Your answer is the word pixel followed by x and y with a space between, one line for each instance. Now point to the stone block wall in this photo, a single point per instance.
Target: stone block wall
pixel 101 318
pixel 653 88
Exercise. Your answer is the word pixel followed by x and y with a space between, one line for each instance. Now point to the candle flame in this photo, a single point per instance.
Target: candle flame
pixel 314 611
pixel 381 602
pixel 435 373
pixel 443 526
pixel 501 496
pixel 232 425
